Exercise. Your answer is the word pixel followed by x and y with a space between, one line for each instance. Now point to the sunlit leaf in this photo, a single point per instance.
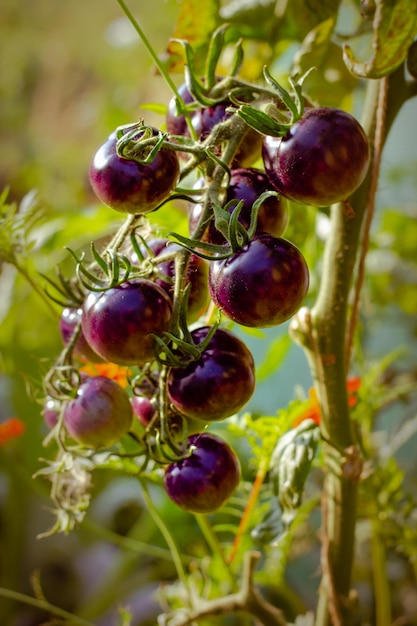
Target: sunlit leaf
pixel 301 17
pixel 276 354
pixel 331 81
pixel 195 23
pixel 394 26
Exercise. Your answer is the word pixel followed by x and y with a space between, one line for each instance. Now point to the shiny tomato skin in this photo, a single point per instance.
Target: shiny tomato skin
pixel 204 119
pixel 69 320
pixel 322 159
pixel 128 186
pixel 202 482
pixel 261 285
pixel 100 414
pixel 143 409
pixel 117 322
pixel 196 277
pixel 217 384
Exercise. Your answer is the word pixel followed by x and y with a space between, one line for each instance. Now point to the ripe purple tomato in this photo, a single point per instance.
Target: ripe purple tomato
pixel 117 322
pixel 322 159
pixel 219 383
pixel 205 119
pixel 144 409
pixel 247 184
pixel 203 482
pixel 261 285
pixel 100 414
pixel 128 186
pixel 197 274
pixel 70 318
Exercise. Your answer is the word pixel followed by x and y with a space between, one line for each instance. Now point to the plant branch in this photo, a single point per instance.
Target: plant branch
pixel 323 332
pixel 44 605
pixel 247 600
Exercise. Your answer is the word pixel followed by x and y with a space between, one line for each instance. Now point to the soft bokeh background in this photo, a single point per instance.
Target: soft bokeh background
pixel 69 73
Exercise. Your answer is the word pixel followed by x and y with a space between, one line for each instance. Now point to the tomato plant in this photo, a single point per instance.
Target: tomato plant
pixel 204 379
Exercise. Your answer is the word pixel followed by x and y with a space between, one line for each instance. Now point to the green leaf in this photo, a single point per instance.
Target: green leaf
pixel 195 23
pixel 301 17
pixel 291 463
pixel 275 355
pixel 333 81
pixel 395 26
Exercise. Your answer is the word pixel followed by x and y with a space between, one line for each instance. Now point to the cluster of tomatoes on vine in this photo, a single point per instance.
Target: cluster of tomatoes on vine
pixel 146 302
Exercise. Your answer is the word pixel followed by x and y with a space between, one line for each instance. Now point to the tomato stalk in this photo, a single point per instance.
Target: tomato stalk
pixel 327 344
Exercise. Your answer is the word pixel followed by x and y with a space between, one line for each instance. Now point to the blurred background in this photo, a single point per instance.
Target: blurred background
pixel 70 72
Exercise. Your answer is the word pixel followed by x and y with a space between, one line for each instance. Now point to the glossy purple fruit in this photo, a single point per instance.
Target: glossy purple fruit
pixel 70 318
pixel 261 285
pixel 128 186
pixel 204 119
pixel 118 322
pixel 322 159
pixel 204 481
pixel 144 409
pixel 197 274
pixel 247 184
pixel 216 385
pixel 100 414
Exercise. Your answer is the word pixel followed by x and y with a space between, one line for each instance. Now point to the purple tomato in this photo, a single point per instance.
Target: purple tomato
pixel 204 119
pixel 118 322
pixel 70 319
pixel 261 285
pixel 216 385
pixel 202 482
pixel 247 184
pixel 144 409
pixel 128 186
pixel 197 274
pixel 100 414
pixel 322 159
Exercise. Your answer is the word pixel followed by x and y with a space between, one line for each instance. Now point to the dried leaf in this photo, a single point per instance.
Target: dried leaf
pixel 395 26
pixel 195 23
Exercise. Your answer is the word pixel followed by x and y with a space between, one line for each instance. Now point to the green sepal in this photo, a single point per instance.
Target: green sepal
pixel 214 52
pixel 262 122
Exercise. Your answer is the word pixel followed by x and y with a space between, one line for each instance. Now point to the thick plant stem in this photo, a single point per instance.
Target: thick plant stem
pixel 328 343
pixel 327 355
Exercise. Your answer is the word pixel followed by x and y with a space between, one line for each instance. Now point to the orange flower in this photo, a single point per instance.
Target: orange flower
pixel 312 410
pixel 10 429
pixel 109 370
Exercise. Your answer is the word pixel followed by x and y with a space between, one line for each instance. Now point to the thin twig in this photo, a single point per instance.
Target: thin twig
pixel 247 600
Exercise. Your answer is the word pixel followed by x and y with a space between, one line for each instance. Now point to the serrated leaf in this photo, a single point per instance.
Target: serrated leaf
pixel 196 22
pixel 394 26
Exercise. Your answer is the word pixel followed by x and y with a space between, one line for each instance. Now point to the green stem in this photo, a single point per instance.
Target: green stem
pixel 148 46
pixel 176 558
pixel 380 580
pixel 21 269
pixel 158 63
pixel 216 548
pixel 70 618
pixel 326 351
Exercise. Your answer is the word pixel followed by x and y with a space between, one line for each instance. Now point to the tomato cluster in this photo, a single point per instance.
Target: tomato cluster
pixel 147 303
